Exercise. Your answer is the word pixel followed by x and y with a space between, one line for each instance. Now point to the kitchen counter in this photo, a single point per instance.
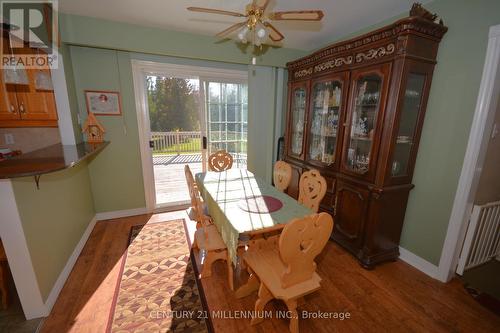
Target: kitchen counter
pixel 49 159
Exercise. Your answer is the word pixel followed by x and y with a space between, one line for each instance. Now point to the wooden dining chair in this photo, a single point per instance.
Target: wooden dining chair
pixel 220 161
pixel 193 188
pixel 208 238
pixel 282 175
pixel 285 266
pixel 312 189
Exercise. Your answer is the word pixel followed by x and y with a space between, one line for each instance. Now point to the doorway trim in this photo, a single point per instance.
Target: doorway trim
pixel 140 69
pixel 474 158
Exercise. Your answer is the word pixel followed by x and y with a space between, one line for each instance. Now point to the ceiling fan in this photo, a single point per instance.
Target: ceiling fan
pixel 256 27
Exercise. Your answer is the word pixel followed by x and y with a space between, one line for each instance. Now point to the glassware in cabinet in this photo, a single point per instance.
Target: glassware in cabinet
pixel 325 115
pixel 299 100
pixel 365 110
pixel 407 124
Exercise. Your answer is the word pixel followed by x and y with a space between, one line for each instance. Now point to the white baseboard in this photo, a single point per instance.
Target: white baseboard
pixel 120 213
pixel 419 263
pixel 63 276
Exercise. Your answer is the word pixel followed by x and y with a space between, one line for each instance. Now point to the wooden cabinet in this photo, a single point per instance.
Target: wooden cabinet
pixel 356 111
pixel 350 218
pixel 28 105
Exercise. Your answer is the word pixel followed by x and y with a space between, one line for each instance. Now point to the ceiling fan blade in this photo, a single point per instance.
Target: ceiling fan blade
pixel 300 15
pixel 215 11
pixel 260 3
pixel 230 29
pixel 274 34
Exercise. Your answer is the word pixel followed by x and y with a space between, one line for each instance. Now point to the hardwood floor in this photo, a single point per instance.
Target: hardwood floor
pixel 394 297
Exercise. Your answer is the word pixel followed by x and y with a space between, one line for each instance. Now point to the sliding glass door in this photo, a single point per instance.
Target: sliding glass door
pixel 226 105
pixel 185 114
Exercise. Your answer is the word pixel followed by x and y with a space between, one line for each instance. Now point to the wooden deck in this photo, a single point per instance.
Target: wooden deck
pixel 170 182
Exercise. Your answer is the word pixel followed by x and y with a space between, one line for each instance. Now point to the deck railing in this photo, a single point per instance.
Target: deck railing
pixel 176 142
pixel 182 143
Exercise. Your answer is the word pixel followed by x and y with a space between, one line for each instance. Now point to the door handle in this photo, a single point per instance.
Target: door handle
pixel 151 144
pixel 21 108
pixel 205 142
pixel 12 108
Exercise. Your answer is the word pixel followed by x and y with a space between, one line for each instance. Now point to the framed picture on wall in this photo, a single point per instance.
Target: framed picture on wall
pixel 103 103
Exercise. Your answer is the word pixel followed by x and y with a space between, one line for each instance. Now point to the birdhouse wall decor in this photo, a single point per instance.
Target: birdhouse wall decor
pixel 93 129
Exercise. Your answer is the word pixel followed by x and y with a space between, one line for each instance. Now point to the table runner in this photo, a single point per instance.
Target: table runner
pixel 222 192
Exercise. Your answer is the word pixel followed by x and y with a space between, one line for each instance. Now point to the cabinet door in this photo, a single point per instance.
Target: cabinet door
pixel 351 204
pixel 8 101
pixel 409 120
pixel 365 120
pixel 297 119
pixel 36 101
pixel 325 115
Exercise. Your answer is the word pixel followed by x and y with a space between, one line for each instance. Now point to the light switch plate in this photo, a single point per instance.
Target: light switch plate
pixel 9 138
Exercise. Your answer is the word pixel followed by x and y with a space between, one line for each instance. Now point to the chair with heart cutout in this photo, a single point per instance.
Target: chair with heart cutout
pixel 220 161
pixel 284 267
pixel 312 189
pixel 282 175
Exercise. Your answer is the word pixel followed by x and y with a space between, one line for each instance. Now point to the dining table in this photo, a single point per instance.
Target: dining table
pixel 243 205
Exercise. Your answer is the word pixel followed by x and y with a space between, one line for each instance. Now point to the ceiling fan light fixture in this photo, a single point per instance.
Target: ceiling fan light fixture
pixel 262 32
pixel 256 27
pixel 243 34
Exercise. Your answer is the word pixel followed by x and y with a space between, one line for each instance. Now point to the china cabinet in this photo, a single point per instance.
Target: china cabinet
pixel 355 113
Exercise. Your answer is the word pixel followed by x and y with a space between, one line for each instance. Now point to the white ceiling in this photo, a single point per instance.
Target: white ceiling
pixel 342 17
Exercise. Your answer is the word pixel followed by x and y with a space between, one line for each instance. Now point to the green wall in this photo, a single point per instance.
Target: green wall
pixel 450 110
pixel 115 174
pixel 54 219
pixel 87 31
pixel 263 113
pixel 448 120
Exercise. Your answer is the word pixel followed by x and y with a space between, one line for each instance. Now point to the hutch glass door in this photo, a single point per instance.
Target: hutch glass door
pixel 364 112
pixel 299 99
pixel 407 124
pixel 326 100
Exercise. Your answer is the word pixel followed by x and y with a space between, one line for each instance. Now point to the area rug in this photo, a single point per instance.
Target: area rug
pixel 157 289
